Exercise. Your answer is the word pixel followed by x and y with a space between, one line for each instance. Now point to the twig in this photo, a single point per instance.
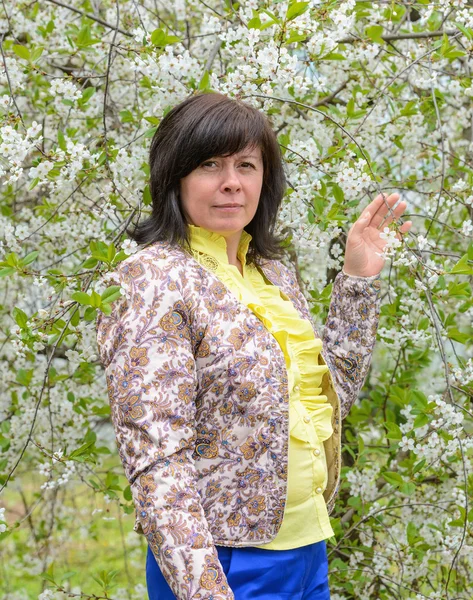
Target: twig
pixel 390 37
pixel 89 16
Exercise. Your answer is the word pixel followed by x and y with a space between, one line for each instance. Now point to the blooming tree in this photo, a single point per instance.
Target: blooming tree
pixel 365 96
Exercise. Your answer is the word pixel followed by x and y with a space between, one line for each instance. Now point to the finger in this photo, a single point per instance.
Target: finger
pixel 381 206
pixel 405 227
pixel 396 213
pixel 363 220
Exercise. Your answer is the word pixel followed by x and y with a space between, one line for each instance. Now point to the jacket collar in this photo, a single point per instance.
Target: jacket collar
pixel 274 270
pixel 215 244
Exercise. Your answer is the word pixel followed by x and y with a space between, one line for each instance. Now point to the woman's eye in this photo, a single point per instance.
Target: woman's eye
pixel 207 162
pixel 248 164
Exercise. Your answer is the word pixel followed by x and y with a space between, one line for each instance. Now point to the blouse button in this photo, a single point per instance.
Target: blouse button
pixel 296 388
pixel 307 419
pixel 317 452
pixel 318 490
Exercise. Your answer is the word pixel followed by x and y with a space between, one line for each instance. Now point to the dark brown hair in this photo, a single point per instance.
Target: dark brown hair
pixel 200 127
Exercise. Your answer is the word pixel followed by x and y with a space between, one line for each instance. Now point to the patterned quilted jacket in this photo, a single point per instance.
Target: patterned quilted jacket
pixel 199 395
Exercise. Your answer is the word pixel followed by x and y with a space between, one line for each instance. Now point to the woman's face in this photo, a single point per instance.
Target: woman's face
pixel 219 182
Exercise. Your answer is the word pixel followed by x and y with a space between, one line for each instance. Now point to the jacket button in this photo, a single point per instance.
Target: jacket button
pixel 317 452
pixel 306 419
pixel 318 490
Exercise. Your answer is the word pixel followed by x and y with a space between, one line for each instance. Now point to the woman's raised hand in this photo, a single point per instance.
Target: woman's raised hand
pixel 364 243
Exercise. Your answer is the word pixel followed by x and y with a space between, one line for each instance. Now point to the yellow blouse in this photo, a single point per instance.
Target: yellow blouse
pixel 305 519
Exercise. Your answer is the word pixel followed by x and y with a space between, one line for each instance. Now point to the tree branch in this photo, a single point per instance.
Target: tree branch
pixel 390 37
pixel 84 14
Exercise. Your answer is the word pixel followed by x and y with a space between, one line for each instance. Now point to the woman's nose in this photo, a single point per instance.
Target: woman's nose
pixel 231 181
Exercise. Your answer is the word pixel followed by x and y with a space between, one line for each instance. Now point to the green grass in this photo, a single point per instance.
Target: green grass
pixel 67 533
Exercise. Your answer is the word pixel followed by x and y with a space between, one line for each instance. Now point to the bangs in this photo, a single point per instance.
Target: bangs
pixel 221 130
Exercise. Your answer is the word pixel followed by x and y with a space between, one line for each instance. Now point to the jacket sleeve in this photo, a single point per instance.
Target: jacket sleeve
pixel 146 347
pixel 349 334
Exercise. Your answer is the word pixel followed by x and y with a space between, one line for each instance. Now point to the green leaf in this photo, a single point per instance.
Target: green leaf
pixel 295 9
pixel 333 56
pixel 24 377
pixel 95 299
pixel 127 493
pixel 85 39
pixel 106 309
pixel 36 53
pixel 407 488
pixel 101 410
pixel 423 324
pixel 111 293
pixel 152 120
pixel 126 116
pixel 172 39
pixel 20 317
pixel 319 205
pixel 102 158
pixel 82 450
pixel 294 36
pixel 147 200
pixel 160 38
pixel 393 478
pixel 421 420
pixel 468 33
pixel 337 193
pixel 454 334
pixel 409 109
pixel 111 252
pixel 103 449
pixel 418 466
pixel 272 16
pixel 87 94
pixel 81 298
pixel 374 32
pixel 75 318
pixel 29 258
pixel 90 263
pixel 462 267
pixel 34 183
pixel 61 140
pixel 394 432
pixel 21 51
pixel 419 399
pixel 459 289
pixel 111 480
pixel 91 312
pixel 351 107
pixel 150 132
pixel 398 141
pixel 48 575
pixel 204 83
pixel 255 23
pixel 412 534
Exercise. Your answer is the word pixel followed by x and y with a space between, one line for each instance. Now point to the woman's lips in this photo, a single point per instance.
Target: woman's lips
pixel 229 209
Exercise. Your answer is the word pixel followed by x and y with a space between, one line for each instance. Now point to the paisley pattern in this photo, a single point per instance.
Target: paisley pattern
pixel 180 352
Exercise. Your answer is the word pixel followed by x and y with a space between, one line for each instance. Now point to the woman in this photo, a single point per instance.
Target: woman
pixel 226 402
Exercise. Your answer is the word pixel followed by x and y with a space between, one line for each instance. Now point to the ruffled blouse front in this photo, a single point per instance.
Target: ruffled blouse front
pixel 301 349
pixel 305 517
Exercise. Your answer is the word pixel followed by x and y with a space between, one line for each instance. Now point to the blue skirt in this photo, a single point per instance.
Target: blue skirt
pixel 260 574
